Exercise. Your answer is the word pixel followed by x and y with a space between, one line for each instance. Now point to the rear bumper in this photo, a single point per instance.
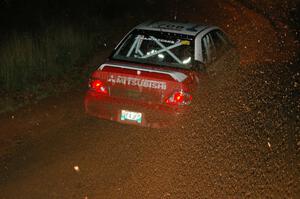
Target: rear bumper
pixel 153 115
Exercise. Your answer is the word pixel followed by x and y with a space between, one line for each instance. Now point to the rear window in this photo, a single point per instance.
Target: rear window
pixel 158 48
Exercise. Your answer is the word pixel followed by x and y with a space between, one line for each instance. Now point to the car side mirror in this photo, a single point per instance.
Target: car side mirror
pixel 199 66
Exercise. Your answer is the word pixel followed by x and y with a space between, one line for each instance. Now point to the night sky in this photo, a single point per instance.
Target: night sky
pixel 18 14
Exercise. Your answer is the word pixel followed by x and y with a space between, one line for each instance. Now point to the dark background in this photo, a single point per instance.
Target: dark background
pixel 33 26
pixel 23 14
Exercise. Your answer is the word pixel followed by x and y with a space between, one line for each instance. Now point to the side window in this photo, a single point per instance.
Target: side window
pixel 220 43
pixel 224 38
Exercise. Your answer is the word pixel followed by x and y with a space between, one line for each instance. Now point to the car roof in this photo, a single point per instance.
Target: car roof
pixel 173 27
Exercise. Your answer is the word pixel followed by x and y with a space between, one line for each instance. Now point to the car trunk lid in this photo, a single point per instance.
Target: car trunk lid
pixel 140 83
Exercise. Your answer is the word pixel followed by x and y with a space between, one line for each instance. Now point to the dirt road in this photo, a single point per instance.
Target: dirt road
pixel 241 141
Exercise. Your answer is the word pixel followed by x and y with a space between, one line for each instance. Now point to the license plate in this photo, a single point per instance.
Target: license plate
pixel 131 116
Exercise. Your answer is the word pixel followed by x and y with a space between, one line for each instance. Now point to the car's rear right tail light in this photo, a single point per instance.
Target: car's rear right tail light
pixel 179 98
pixel 98 86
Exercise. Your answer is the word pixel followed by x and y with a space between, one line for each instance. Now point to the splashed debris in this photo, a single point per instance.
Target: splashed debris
pixel 166 195
pixel 269 145
pixel 76 168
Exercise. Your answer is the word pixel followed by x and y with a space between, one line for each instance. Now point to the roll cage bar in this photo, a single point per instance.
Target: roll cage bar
pixel 138 42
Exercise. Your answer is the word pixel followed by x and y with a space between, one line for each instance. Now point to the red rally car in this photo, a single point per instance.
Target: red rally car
pixel 152 74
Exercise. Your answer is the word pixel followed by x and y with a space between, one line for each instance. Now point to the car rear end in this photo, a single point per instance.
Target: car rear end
pixel 147 81
pixel 138 95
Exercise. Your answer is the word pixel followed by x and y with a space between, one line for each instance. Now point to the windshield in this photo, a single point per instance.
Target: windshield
pixel 157 48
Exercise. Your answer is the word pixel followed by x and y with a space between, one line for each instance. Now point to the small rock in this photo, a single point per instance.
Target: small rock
pixel 247 194
pixel 76 168
pixel 295 84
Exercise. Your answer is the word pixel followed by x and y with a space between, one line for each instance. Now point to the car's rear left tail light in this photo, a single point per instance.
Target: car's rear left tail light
pixel 98 86
pixel 179 98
